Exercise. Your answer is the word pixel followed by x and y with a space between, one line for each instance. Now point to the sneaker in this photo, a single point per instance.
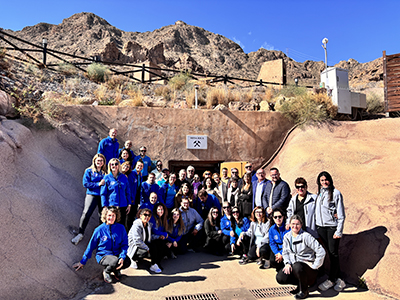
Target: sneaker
pixel 326 285
pixel 260 261
pixel 107 277
pixel 339 285
pixel 265 265
pixel 301 295
pixel 173 256
pixel 244 260
pixel 117 274
pixel 154 268
pixel 133 264
pixel 77 239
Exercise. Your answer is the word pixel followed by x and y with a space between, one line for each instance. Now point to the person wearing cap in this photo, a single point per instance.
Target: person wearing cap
pixel 164 178
pixel 146 161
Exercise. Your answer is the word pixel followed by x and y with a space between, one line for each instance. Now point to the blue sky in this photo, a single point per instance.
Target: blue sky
pixel 356 29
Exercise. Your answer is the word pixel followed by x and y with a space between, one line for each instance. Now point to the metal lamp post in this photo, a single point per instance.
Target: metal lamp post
pixel 44 50
pixel 324 42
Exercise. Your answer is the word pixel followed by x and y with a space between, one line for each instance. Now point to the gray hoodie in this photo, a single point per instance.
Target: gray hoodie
pixel 330 213
pixel 309 212
pixel 303 248
pixel 264 228
pixel 136 237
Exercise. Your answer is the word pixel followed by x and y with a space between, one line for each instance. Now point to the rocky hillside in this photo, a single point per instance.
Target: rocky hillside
pixel 181 46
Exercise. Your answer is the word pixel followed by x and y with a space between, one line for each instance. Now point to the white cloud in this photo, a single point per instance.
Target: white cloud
pixel 267 46
pixel 250 33
pixel 238 42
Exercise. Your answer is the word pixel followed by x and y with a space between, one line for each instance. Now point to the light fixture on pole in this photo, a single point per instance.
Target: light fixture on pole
pixel 324 42
pixel 196 88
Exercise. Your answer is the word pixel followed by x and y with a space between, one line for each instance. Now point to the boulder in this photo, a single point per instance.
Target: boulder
pixel 7 104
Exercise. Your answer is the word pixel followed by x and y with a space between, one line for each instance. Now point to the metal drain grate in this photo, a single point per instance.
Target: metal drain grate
pixel 207 296
pixel 272 292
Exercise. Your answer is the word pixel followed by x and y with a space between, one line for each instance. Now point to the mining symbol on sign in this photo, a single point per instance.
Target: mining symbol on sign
pixel 197 143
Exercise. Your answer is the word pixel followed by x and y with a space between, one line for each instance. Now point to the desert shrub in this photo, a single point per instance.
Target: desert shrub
pixel 4 64
pixel 190 98
pixel 32 69
pixel 292 91
pixel 136 97
pixel 375 103
pixel 104 95
pixel 247 95
pixel 98 72
pixel 308 108
pixel 181 82
pixel 164 91
pixel 268 94
pixel 216 95
pixel 67 69
pixel 115 82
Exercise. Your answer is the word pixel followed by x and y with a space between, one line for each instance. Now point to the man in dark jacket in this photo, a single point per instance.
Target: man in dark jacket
pixel 277 192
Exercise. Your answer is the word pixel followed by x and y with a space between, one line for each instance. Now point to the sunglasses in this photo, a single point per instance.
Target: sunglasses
pixel 300 187
pixel 226 207
pixel 114 164
pixel 147 215
pixel 215 212
pixel 247 167
pixel 278 217
pixel 143 150
pixel 234 172
pixel 159 165
pixel 207 174
pixel 235 212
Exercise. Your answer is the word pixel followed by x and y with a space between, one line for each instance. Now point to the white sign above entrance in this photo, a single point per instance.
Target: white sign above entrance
pixel 196 142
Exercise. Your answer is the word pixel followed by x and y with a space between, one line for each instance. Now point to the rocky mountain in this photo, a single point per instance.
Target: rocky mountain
pixel 181 46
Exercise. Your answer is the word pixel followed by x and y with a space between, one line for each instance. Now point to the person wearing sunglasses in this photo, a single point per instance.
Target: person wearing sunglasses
pixel 239 224
pixel 111 244
pixel 158 170
pixel 140 242
pixel 276 233
pixel 116 190
pixel 146 162
pixel 109 145
pixel 190 174
pixel 226 226
pixel 303 205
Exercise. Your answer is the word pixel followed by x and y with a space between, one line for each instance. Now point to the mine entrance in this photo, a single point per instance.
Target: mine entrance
pixel 200 166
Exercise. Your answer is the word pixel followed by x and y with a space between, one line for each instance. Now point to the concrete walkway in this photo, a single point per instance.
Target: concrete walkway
pixel 198 273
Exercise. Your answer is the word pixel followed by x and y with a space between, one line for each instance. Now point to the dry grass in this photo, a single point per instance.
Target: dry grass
pixel 164 91
pixel 135 97
pixel 216 95
pixel 268 95
pixel 116 82
pixel 190 98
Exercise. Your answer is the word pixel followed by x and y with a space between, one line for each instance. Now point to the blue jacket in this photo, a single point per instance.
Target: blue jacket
pixel 115 192
pixel 174 235
pixel 135 181
pixel 238 230
pixel 146 163
pixel 157 231
pixel 204 207
pixel 226 226
pixel 91 181
pixel 109 148
pixel 146 190
pixel 164 192
pixel 276 238
pixel 107 240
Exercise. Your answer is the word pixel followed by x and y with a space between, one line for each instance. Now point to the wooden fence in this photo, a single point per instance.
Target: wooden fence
pixel 391 78
pixel 124 69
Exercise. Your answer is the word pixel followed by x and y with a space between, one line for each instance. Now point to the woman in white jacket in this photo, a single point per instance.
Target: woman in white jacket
pixel 302 256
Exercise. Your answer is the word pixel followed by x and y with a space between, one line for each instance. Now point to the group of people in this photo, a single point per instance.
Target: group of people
pixel 158 214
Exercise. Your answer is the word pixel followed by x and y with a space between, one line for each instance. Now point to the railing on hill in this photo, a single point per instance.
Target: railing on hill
pixel 154 73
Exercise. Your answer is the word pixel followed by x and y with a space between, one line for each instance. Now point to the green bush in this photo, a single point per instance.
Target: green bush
pixel 308 108
pixel 293 91
pixel 375 103
pixel 67 69
pixel 181 82
pixel 98 72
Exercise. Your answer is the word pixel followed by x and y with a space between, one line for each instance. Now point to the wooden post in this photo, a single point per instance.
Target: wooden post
pixel 385 82
pixel 143 70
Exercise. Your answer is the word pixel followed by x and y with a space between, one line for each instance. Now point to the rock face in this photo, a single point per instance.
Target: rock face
pixel 363 160
pixel 6 105
pixel 181 46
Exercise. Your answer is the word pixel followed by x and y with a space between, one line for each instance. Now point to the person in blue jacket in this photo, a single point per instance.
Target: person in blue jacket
pixel 168 192
pixel 148 187
pixel 92 181
pixel 116 191
pixel 276 233
pixel 204 202
pixel 128 145
pixel 135 180
pixel 239 224
pixel 175 229
pixel 146 161
pixel 110 241
pixel 226 226
pixel 153 199
pixel 125 155
pixel 109 146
